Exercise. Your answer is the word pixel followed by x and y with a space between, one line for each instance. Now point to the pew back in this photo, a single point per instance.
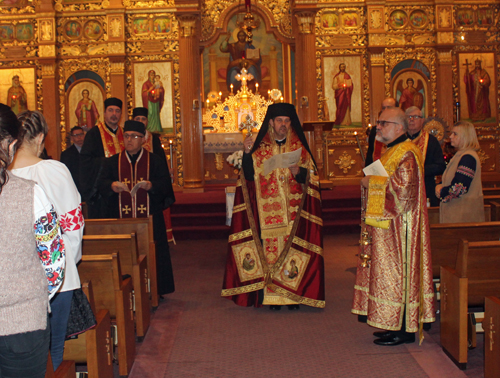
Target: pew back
pixel 143 227
pixel 479 262
pixel 445 238
pixel 124 244
pixel 115 294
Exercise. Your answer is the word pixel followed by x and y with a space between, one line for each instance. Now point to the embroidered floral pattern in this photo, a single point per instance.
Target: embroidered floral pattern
pixel 455 191
pixel 50 247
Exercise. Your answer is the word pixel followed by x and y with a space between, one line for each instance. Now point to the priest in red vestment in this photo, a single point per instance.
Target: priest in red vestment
pixel 394 276
pixel 136 184
pixel 275 253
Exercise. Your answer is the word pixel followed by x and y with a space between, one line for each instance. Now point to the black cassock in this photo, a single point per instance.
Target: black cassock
pixel 161 195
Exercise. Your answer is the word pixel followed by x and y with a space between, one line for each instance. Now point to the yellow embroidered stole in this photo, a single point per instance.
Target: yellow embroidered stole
pixel 422 141
pixel 148 142
pixel 112 143
pixel 377 187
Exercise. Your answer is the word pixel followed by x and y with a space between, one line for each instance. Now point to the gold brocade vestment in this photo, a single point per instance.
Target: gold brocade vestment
pixel 399 279
pixel 276 234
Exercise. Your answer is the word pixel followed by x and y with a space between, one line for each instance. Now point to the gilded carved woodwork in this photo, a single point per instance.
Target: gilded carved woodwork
pixel 341 27
pixel 133 4
pixel 158 26
pixel 28 8
pixel 92 5
pixel 46 30
pixel 305 21
pixel 213 11
pixel 345 162
pixel 187 26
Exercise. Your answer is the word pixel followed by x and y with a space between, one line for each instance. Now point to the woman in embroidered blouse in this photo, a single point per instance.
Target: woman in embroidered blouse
pixel 55 178
pixel 461 192
pixel 31 264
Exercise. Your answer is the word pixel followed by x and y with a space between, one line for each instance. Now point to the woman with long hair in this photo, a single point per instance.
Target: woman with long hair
pixel 461 192
pixel 31 264
pixel 55 178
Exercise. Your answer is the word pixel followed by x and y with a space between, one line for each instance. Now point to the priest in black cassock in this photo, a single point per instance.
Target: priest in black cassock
pixel 137 168
pixel 102 141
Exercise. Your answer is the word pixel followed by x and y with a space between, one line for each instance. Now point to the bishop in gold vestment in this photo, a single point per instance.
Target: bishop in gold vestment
pixel 394 290
pixel 275 254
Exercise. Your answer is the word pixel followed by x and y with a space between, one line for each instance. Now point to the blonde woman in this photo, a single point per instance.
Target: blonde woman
pixel 461 192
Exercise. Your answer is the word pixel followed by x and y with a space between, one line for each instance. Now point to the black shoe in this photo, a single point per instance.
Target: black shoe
pixel 294 307
pixel 383 334
pixel 395 340
pixel 275 307
pixel 362 318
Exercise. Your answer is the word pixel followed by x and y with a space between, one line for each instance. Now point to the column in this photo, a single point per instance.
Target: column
pixel 305 64
pixel 51 108
pixel 190 87
pixel 377 83
pixel 444 75
pixel 118 82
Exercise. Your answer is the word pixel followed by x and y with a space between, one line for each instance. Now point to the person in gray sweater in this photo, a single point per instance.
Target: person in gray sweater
pixel 32 261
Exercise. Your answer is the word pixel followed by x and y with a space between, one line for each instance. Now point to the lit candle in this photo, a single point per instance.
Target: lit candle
pixel 355 133
pixel 268 94
pixel 281 98
pixel 257 87
pixel 220 95
pixel 171 155
pixel 231 86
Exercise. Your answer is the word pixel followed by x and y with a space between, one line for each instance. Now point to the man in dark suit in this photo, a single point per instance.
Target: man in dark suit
pixel 71 156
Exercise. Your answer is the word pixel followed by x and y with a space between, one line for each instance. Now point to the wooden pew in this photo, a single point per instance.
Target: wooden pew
pixel 143 227
pixel 491 328
pixel 131 264
pixel 491 191
pixel 433 214
pixel 65 370
pixel 445 238
pixel 476 275
pixel 115 294
pixel 93 347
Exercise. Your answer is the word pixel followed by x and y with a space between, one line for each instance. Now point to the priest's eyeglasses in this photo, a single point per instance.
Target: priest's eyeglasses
pixel 414 117
pixel 385 123
pixel 131 136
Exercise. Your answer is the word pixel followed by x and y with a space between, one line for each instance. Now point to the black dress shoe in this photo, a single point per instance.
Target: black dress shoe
pixel 293 307
pixel 395 340
pixel 362 318
pixel 383 334
pixel 275 307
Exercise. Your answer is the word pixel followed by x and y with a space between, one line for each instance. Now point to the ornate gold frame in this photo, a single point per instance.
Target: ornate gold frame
pixel 68 67
pixel 424 54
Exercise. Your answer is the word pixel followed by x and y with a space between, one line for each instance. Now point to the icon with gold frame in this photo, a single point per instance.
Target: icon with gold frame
pixel 398 19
